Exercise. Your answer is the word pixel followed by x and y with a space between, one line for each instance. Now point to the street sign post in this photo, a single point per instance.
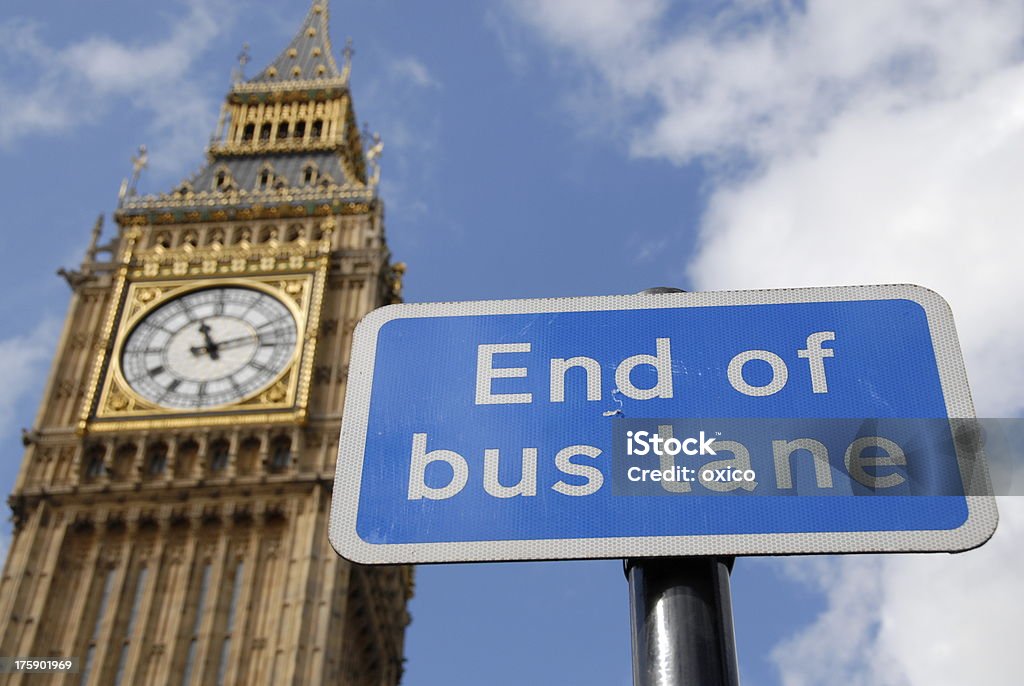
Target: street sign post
pixel 513 430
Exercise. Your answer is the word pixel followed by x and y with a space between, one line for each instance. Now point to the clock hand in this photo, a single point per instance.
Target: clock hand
pixel 223 345
pixel 234 342
pixel 211 347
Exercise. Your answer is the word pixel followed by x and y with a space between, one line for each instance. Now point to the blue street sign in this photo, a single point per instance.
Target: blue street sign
pixel 723 423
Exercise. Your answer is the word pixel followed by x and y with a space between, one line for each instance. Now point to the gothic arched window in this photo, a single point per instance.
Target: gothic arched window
pixel 280 452
pixel 94 461
pixel 185 460
pixel 309 174
pixel 219 450
pixel 248 454
pixel 156 459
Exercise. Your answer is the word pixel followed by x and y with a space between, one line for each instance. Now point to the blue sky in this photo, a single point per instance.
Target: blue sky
pixel 583 147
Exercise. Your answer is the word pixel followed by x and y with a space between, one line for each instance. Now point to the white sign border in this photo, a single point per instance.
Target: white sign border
pixel 979 526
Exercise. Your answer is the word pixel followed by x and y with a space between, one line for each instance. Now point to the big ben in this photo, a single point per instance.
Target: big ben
pixel 171 509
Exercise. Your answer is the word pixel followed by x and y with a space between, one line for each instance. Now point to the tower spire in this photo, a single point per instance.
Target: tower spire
pixel 309 56
pixel 287 135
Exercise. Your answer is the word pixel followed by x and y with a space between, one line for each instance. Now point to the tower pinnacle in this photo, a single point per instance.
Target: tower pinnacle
pixel 308 57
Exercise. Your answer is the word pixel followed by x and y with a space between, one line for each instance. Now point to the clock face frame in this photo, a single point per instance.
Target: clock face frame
pixel 210 347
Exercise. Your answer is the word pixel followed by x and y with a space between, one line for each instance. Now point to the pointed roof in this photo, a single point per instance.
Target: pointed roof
pixel 308 57
pixel 256 178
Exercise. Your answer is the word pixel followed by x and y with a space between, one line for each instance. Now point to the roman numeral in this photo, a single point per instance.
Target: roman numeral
pixel 143 351
pixel 187 310
pixel 170 388
pixel 155 370
pixel 275 337
pixel 271 322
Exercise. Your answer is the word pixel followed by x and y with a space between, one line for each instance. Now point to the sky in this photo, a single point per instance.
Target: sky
pixel 588 147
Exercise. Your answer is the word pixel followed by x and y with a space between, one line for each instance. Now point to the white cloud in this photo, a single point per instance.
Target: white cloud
pixel 414 71
pixel 597 29
pixel 913 619
pixel 50 90
pixel 760 77
pixel 852 143
pixel 927 195
pixel 409 121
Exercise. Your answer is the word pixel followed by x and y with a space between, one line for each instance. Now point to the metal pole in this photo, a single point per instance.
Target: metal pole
pixel 681 617
pixel 681 620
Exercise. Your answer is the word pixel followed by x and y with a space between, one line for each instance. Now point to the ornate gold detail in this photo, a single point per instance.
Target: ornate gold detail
pixel 313 325
pixel 242 258
pixel 129 240
pixel 395 281
pixel 275 393
pixel 144 295
pixel 198 421
pixel 355 202
pixel 118 401
pixel 355 208
pixel 301 88
pixel 292 288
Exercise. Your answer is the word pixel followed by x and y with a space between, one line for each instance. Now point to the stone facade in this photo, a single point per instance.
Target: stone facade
pixel 162 545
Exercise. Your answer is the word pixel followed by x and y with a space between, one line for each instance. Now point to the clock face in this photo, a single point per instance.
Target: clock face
pixel 209 347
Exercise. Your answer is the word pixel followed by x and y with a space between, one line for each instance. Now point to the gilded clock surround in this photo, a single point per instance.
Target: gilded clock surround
pixel 292 273
pixel 119 400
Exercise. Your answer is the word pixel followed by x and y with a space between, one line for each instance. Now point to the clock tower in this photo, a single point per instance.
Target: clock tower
pixel 171 511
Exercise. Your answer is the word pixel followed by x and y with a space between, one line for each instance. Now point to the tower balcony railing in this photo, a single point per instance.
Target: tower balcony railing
pixel 306 144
